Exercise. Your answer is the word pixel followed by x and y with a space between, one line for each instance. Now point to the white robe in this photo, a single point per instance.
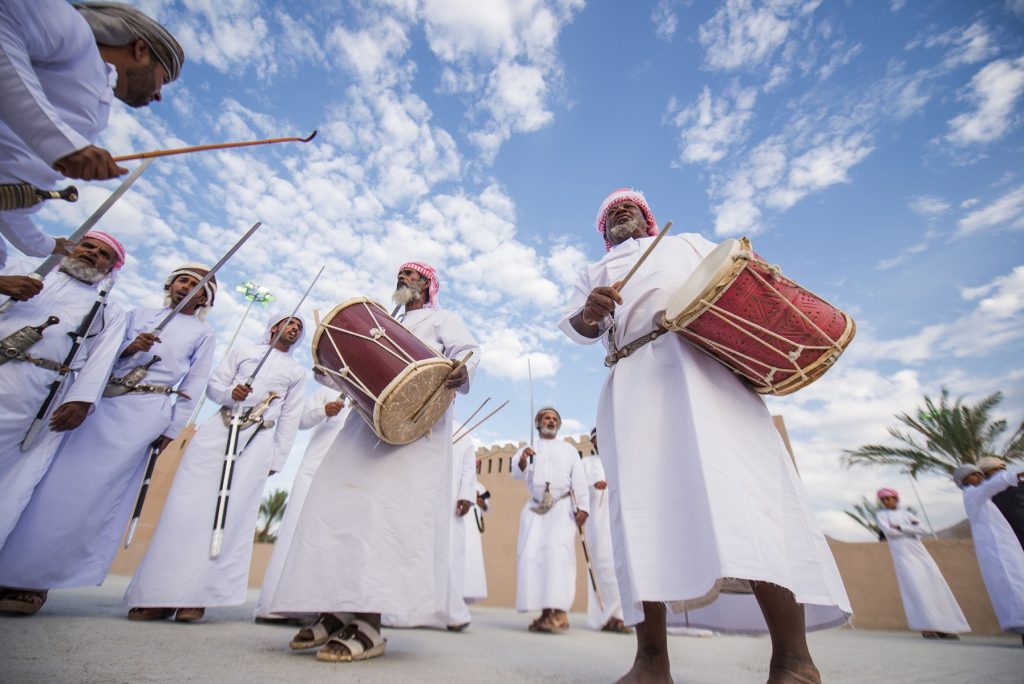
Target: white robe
pixel 546 549
pixel 927 599
pixel 373 533
pixel 599 543
pixel 474 586
pixel 327 429
pixel 68 534
pixel 24 387
pixel 456 612
pixel 701 486
pixel 999 553
pixel 177 570
pixel 56 99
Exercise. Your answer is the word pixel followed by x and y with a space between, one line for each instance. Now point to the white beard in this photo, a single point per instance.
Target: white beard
pixel 404 295
pixel 81 271
pixel 621 231
pixel 548 433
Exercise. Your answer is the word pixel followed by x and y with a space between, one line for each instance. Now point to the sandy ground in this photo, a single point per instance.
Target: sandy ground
pixel 82 635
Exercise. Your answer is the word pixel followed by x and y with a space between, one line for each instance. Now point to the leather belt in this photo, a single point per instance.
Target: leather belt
pixel 616 355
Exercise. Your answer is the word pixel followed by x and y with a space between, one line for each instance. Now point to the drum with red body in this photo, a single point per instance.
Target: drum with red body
pixel 394 379
pixel 770 331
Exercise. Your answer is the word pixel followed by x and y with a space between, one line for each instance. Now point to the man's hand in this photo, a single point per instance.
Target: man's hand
pixel 600 484
pixel 528 452
pixel 481 502
pixel 142 343
pixel 581 517
pixel 89 163
pixel 599 305
pixel 240 392
pixel 462 507
pixel 68 416
pixel 20 288
pixel 62 245
pixel 333 408
pixel 458 378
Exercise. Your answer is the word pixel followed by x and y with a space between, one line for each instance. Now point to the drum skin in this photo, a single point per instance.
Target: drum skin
pixel 391 376
pixel 777 335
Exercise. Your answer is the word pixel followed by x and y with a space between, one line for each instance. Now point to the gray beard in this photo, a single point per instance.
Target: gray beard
pixel 81 271
pixel 621 231
pixel 404 296
pixel 548 433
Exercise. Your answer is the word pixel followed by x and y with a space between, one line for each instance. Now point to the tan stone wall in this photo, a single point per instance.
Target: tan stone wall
pixel 866 567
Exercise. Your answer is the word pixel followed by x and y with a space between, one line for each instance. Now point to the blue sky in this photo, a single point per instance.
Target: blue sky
pixel 872 150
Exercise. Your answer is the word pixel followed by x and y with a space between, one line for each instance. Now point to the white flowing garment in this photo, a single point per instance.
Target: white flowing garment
pixel 474 587
pixel 56 99
pixel 327 429
pixel 701 486
pixel 599 543
pixel 373 533
pixel 24 387
pixel 999 553
pixel 69 531
pixel 546 549
pixel 177 570
pixel 927 599
pixel 456 612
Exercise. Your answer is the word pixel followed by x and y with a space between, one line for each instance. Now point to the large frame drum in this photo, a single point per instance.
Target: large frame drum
pixel 391 376
pixel 770 331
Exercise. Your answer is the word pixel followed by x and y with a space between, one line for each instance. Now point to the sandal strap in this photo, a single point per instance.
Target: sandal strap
pixel 357 633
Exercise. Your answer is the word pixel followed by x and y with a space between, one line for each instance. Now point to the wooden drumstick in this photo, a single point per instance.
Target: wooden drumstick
pixel 458 364
pixel 217 146
pixel 622 283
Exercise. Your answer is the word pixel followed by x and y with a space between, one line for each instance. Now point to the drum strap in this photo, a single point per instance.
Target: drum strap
pixel 617 354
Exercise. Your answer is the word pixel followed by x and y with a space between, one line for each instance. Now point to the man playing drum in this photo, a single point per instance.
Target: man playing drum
pixel 373 534
pixel 706 505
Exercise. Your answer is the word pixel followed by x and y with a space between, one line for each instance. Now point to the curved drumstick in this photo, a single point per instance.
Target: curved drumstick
pixel 217 146
pixel 458 364
pixel 622 283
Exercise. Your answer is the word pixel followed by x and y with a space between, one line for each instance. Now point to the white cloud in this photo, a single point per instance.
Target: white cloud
pixel 970 44
pixel 371 53
pixel 928 206
pixel 994 90
pixel 886 264
pixel 710 126
pixel 665 20
pixel 995 321
pixel 227 35
pixel 740 35
pixel 1005 212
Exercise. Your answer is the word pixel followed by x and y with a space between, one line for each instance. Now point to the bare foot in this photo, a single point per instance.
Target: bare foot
pixel 646 672
pixel 794 672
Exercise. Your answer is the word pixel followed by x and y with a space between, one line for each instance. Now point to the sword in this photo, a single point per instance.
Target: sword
pixel 152 453
pixel 231 450
pixel 205 279
pixel 533 417
pixel 52 261
pixel 586 554
pixel 60 386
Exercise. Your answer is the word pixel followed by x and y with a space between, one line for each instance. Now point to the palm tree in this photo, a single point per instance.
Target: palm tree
pixel 953 434
pixel 271 510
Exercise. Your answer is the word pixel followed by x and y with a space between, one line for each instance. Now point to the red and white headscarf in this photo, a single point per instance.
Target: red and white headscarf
pixel 111 242
pixel 428 272
pixel 622 195
pixel 887 491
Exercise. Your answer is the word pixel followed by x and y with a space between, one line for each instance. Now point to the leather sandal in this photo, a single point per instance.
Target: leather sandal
pixel 22 601
pixel 145 614
pixel 361 641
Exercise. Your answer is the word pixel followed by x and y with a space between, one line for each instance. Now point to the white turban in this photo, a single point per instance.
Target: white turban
pixel 117 24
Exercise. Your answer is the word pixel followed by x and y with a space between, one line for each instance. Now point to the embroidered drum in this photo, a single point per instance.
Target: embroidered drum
pixel 767 329
pixel 392 377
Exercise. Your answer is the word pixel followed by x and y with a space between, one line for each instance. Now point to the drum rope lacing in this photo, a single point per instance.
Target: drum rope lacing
pixel 728 318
